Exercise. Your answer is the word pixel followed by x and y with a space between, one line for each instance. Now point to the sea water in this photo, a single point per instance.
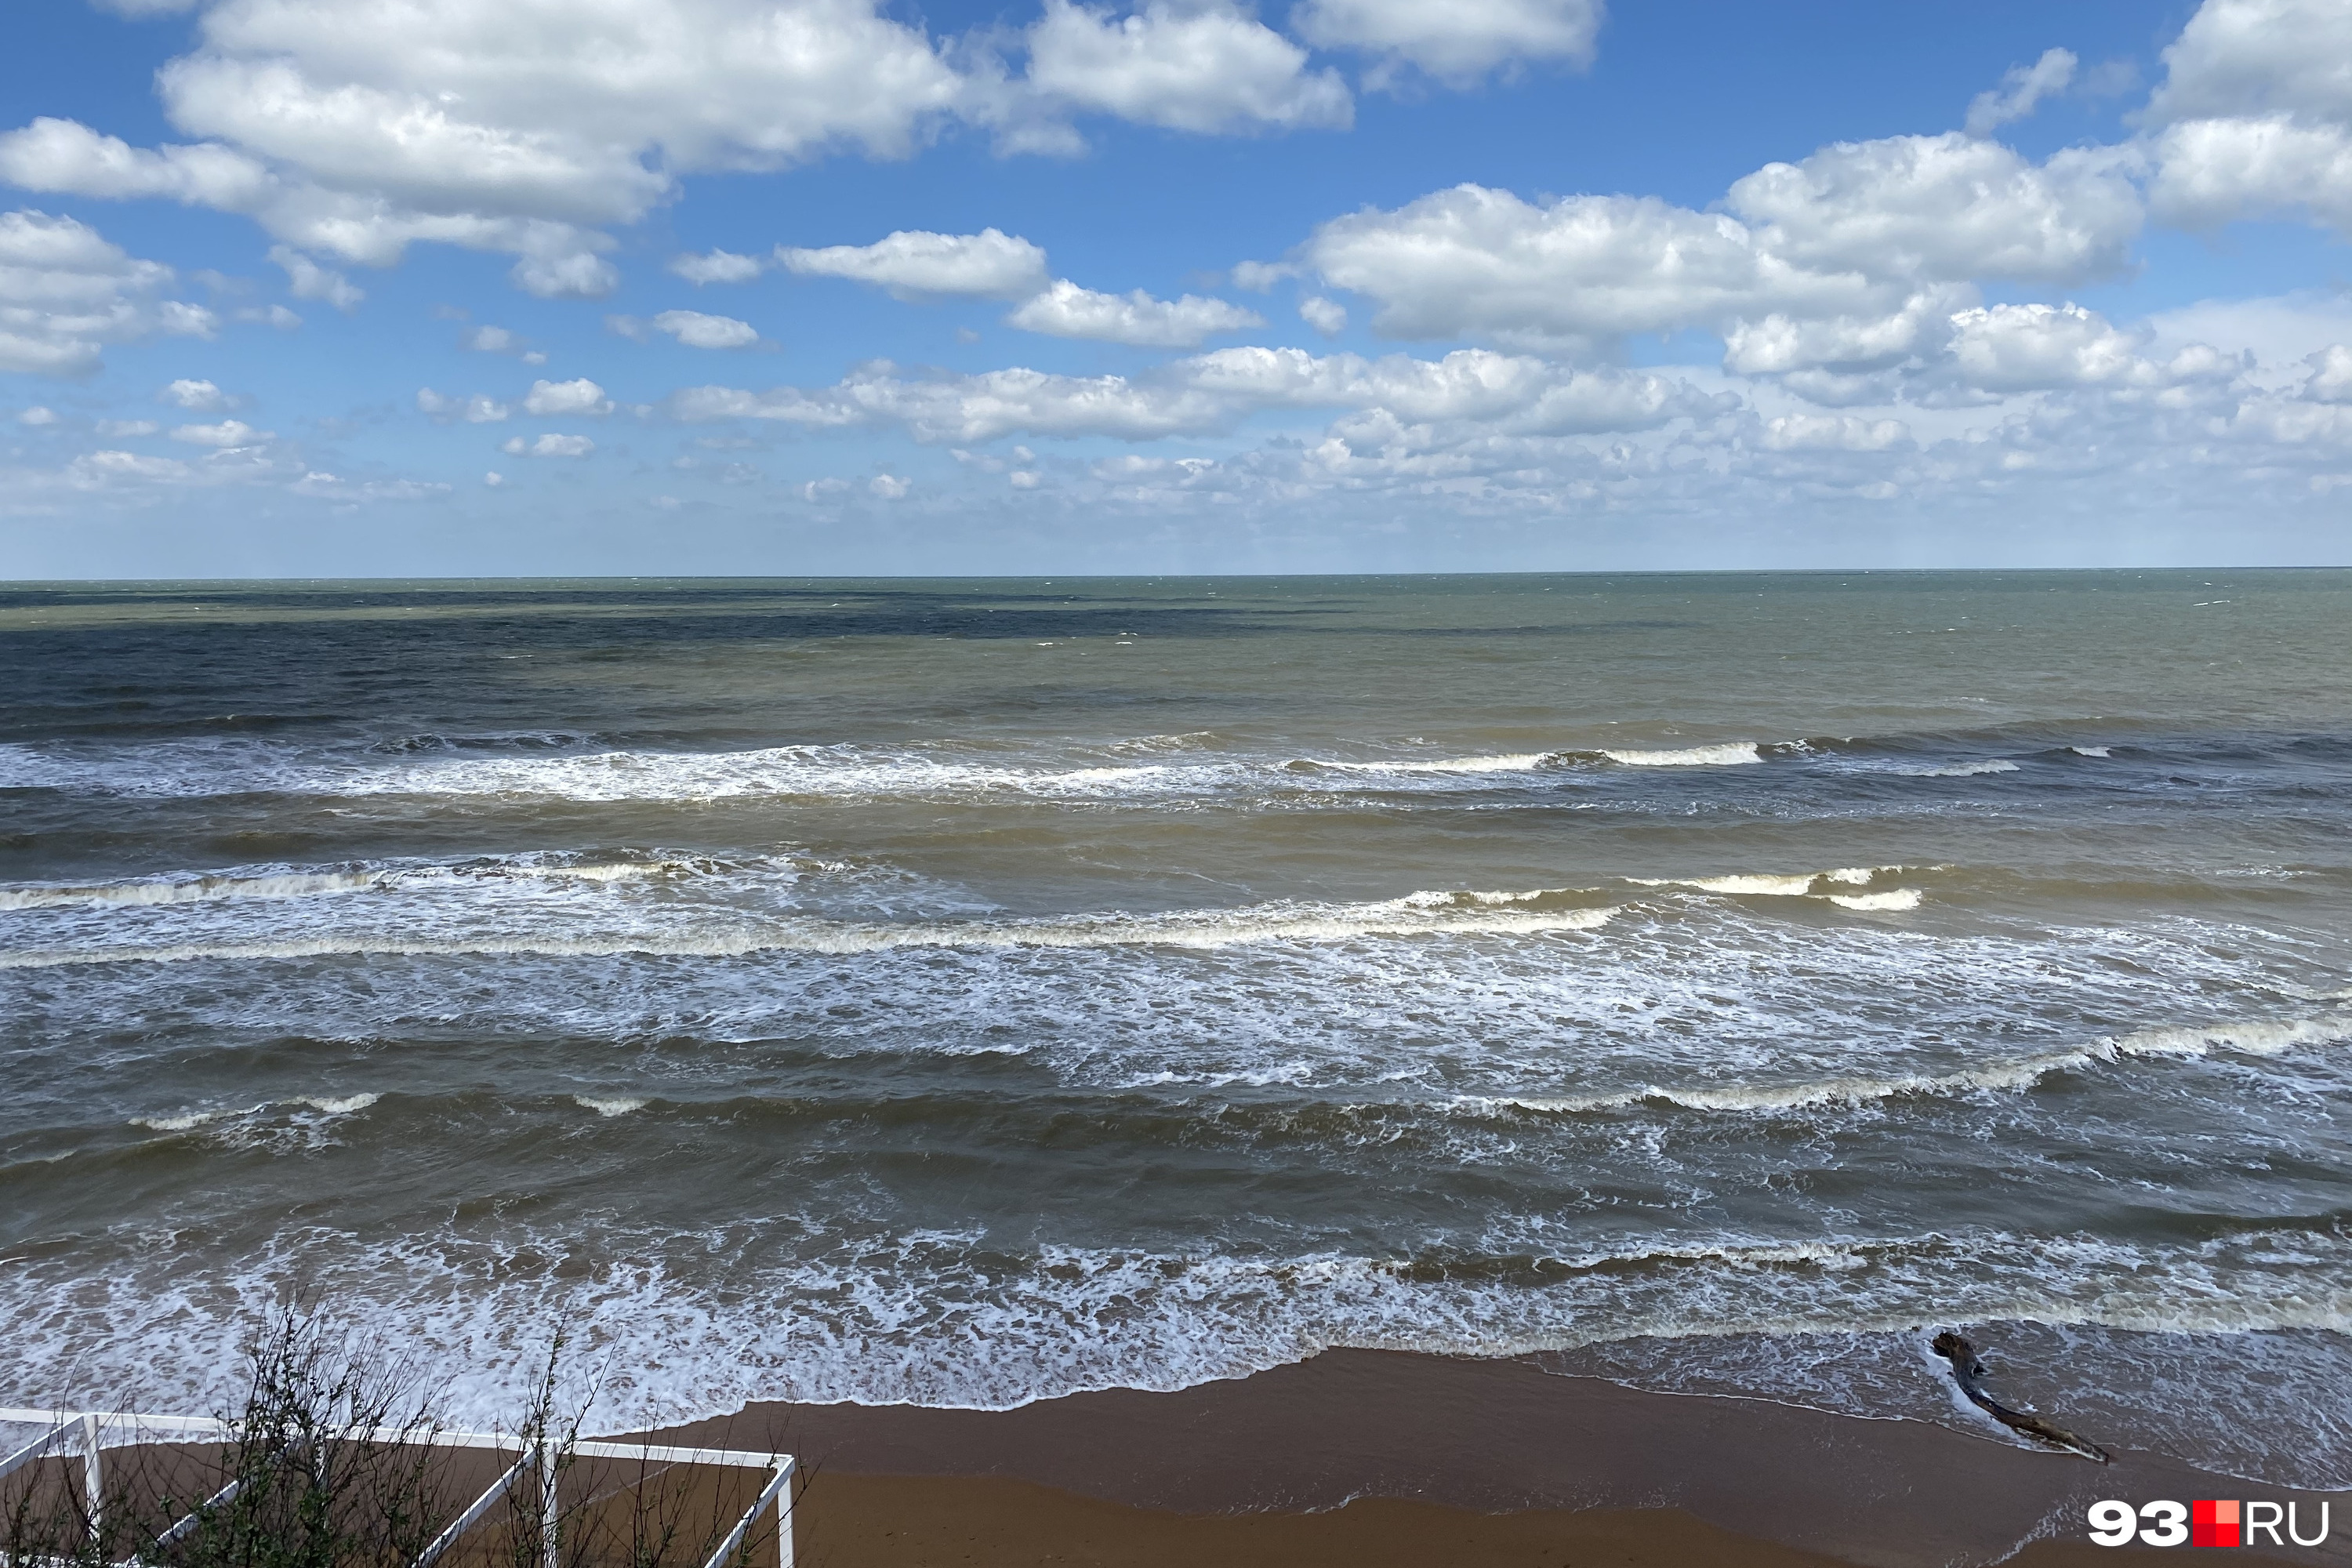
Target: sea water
pixel 971 991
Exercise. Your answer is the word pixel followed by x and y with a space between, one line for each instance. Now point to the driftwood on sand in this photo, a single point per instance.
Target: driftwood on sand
pixel 1969 1372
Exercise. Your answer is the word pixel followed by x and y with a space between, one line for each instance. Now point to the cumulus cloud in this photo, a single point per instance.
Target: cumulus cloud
pixel 1328 317
pixel 1838 433
pixel 306 280
pixel 53 155
pixel 1214 391
pixel 917 263
pixel 66 292
pixel 478 409
pixel 1849 257
pixel 196 396
pixel 1203 68
pixel 488 339
pixel 2016 348
pixel 719 267
pixel 2255 114
pixel 692 328
pixel 549 446
pixel 521 126
pixel 560 397
pixel 2021 92
pixel 512 125
pixel 227 433
pixel 1459 42
pixel 1066 311
pixel 2331 375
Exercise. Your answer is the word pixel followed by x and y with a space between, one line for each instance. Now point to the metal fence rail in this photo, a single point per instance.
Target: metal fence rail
pixel 84 1432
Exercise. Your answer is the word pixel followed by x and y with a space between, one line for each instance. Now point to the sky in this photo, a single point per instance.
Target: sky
pixel 330 287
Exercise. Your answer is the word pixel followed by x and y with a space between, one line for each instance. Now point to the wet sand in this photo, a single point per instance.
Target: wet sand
pixel 1374 1457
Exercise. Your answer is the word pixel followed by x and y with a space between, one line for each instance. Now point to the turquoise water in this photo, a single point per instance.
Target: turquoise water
pixel 966 992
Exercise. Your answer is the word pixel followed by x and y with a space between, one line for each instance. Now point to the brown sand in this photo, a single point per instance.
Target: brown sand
pixel 1371 1457
pixel 936 1521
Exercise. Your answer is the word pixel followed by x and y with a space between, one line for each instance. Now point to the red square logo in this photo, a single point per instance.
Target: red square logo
pixel 2214 1525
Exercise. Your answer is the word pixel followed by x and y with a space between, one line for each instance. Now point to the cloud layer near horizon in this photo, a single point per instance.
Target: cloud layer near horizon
pixel 1875 302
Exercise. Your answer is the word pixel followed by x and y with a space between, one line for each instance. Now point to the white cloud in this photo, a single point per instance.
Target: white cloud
pixel 1328 317
pixel 1258 277
pixel 916 263
pixel 277 316
pixel 1208 66
pixel 2016 348
pixel 565 274
pixel 513 125
pixel 66 292
pixel 2331 375
pixel 196 396
pixel 2211 172
pixel 38 416
pixel 719 267
pixel 548 446
pixel 889 486
pixel 2255 114
pixel 489 339
pixel 308 281
pixel 558 397
pixel 1838 433
pixel 477 409
pixel 227 433
pixel 2021 92
pixel 2259 56
pixel 52 154
pixel 1944 208
pixel 1067 310
pixel 1214 391
pixel 1458 42
pixel 1845 255
pixel 692 328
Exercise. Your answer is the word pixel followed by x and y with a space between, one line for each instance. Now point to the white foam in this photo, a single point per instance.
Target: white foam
pixel 2088 750
pixel 1896 899
pixel 2022 1073
pixel 1735 753
pixel 1959 770
pixel 1776 885
pixel 1505 763
pixel 295 883
pixel 2253 1039
pixel 607 1106
pixel 1759 886
pixel 183 1122
pixel 189 889
pixel 342 1107
pixel 2258 1038
pixel 1414 914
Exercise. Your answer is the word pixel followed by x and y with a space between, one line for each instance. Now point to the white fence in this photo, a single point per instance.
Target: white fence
pixel 86 1434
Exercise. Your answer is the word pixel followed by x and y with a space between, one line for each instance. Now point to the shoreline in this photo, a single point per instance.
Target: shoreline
pixel 1370 1457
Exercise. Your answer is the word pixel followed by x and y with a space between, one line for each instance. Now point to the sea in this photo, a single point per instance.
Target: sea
pixel 964 993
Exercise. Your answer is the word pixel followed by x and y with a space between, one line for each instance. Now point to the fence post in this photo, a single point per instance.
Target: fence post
pixel 93 1488
pixel 784 1526
pixel 548 1542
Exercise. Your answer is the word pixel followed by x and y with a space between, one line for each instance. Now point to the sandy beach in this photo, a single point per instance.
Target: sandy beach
pixel 1369 1456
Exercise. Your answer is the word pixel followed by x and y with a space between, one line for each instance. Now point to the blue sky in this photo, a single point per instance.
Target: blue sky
pixel 427 287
